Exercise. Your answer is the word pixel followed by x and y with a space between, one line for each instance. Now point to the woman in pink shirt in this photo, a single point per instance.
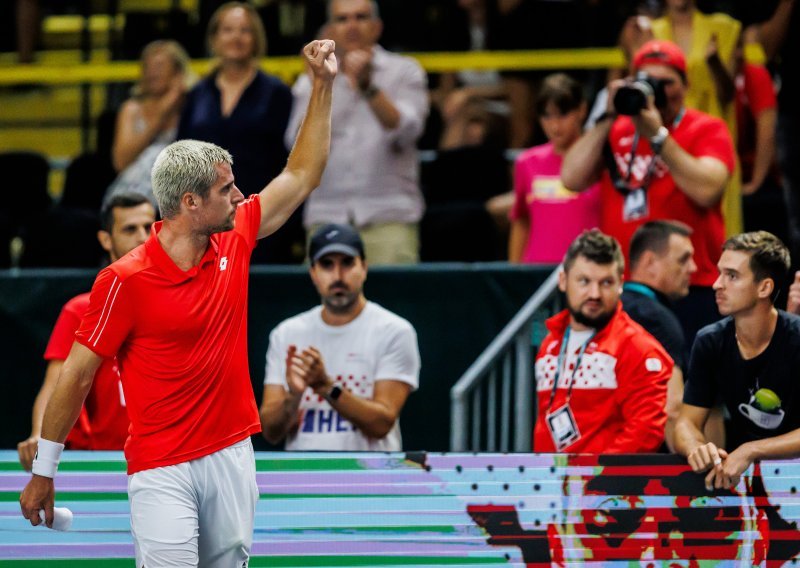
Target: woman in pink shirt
pixel 547 216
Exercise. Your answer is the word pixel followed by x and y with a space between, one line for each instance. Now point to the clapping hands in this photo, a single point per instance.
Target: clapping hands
pixel 305 369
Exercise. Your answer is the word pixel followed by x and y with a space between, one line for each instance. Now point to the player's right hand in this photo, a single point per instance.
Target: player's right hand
pixel 27 451
pixel 321 58
pixel 40 493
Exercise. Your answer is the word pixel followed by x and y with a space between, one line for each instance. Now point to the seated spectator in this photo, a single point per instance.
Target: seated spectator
pixel 148 121
pixel 664 161
pixel 750 360
pixel 546 216
pixel 241 108
pixel 662 264
pixel 103 421
pixel 601 379
pixel 339 374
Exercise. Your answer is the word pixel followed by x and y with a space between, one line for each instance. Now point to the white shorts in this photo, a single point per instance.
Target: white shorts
pixel 197 513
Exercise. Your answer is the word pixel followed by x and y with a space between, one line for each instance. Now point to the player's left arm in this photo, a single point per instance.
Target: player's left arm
pixel 309 155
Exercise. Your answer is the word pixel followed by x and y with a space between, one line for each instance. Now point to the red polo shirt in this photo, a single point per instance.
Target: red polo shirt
pixel 180 338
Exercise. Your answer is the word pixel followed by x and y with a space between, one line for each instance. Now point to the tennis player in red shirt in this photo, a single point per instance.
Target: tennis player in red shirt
pixel 174 313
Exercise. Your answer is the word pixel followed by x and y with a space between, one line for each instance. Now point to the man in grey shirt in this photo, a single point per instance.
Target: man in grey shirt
pixel 379 111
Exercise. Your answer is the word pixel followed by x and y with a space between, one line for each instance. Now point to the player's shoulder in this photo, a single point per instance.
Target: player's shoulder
pixel 129 265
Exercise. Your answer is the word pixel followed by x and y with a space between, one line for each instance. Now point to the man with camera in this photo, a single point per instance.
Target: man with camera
pixel 656 159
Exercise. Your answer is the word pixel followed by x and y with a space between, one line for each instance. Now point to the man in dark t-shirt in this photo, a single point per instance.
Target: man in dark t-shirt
pixel 750 358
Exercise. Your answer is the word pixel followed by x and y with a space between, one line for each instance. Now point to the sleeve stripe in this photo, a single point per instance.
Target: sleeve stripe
pixel 103 319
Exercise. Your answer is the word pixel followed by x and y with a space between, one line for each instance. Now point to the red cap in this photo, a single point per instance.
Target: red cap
pixel 660 52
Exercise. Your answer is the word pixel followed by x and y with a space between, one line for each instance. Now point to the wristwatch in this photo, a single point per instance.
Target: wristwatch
pixel 333 394
pixel 370 91
pixel 657 141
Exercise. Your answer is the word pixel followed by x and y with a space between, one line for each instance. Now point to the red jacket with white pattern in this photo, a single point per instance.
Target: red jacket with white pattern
pixel 619 390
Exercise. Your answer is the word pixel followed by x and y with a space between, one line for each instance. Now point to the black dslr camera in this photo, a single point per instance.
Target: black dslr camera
pixel 631 98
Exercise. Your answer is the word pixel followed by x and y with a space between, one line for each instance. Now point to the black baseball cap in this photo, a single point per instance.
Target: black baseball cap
pixel 335 238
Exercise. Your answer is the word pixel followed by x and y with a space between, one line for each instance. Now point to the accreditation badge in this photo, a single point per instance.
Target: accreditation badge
pixel 563 428
pixel 635 206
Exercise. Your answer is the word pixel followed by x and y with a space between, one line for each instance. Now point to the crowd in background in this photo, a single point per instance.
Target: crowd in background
pixel 522 162
pixel 461 202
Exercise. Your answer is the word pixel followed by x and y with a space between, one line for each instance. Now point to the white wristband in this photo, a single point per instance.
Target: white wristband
pixel 48 454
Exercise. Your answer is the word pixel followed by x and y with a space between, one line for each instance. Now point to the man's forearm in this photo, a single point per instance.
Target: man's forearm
pixel 384 110
pixel 687 437
pixel 583 162
pixel 786 446
pixel 702 180
pixel 765 145
pixel 279 417
pixel 65 404
pixel 370 417
pixel 312 146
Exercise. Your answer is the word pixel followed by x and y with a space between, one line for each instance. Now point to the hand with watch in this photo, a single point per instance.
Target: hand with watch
pixel 358 69
pixel 657 141
pixel 649 125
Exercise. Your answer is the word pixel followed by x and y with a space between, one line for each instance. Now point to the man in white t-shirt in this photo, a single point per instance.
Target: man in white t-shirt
pixel 339 374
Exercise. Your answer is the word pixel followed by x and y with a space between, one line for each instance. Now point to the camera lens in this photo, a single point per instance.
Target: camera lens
pixel 630 100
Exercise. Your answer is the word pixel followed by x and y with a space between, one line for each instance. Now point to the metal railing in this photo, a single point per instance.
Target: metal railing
pixel 508 359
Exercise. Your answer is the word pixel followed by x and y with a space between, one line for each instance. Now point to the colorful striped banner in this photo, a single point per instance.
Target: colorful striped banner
pixel 417 509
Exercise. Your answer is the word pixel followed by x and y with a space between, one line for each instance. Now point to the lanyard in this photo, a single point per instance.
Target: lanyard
pixel 562 362
pixel 639 288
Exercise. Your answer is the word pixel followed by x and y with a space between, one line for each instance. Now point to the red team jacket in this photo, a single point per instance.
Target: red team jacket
pixel 619 391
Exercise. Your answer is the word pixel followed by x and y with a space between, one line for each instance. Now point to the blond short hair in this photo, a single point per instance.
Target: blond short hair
pixel 185 166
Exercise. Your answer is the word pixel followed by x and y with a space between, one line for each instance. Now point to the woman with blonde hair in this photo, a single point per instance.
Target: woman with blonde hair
pixel 148 121
pixel 244 110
